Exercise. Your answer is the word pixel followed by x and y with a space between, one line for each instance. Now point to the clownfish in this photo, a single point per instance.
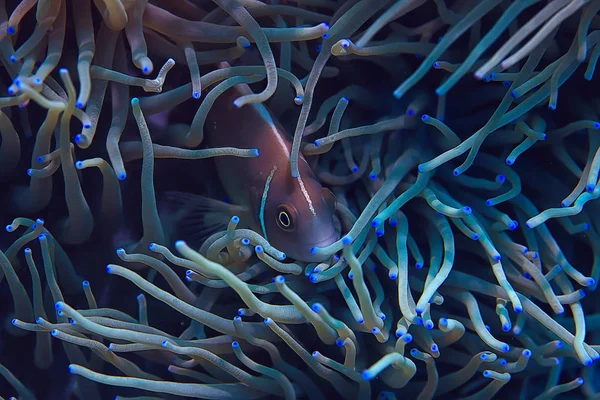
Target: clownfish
pixel 293 214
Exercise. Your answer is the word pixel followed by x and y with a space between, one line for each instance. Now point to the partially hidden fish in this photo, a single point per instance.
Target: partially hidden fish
pixel 293 214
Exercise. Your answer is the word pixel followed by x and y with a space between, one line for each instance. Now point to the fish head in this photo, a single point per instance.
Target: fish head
pixel 299 216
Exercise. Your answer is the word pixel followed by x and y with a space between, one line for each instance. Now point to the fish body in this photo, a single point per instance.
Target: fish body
pixel 294 214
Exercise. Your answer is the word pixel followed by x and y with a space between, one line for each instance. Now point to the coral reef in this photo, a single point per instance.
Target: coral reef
pixel 461 139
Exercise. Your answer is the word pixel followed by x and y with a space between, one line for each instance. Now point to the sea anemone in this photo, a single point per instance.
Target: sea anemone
pixel 469 252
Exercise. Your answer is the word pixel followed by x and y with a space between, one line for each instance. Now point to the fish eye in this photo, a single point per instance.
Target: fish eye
pixel 286 217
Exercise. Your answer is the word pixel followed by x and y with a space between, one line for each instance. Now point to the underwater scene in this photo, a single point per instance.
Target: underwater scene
pixel 299 199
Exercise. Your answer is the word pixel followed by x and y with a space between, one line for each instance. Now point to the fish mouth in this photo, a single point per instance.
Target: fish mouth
pixel 323 242
pixel 307 248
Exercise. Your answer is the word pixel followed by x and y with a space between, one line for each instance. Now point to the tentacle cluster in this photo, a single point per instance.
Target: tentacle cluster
pixel 466 194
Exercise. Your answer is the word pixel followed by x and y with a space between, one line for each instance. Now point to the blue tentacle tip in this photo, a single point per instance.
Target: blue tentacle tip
pixel 590 281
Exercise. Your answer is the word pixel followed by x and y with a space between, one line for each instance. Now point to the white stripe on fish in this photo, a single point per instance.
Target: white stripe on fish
pixel 264 113
pixel 307 196
pixel 263 201
pixel 267 117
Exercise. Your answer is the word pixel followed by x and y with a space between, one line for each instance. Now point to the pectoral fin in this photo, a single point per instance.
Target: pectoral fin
pixel 194 218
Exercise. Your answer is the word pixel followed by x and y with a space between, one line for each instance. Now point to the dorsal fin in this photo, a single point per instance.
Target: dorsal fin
pixel 241 89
